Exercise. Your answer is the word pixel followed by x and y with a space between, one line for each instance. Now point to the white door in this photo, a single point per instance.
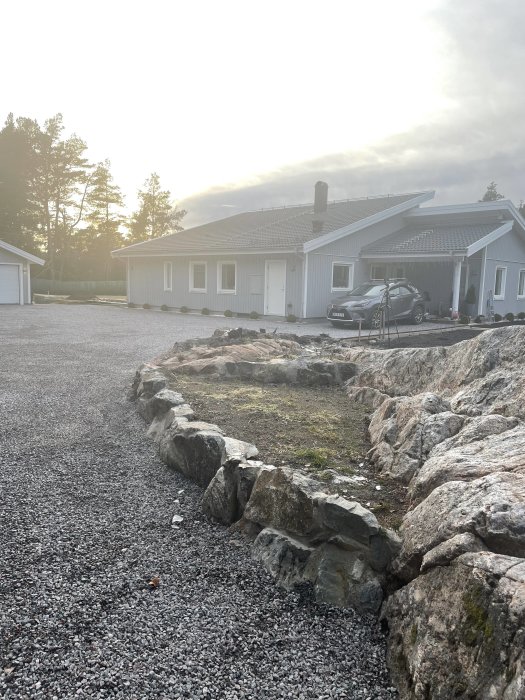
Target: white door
pixel 275 288
pixel 9 284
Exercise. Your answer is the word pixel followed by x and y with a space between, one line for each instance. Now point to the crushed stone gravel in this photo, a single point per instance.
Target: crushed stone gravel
pixel 101 594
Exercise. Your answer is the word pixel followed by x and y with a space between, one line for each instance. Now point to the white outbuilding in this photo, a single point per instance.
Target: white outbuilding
pixel 15 274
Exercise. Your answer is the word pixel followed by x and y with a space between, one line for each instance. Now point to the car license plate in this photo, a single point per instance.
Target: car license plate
pixel 339 314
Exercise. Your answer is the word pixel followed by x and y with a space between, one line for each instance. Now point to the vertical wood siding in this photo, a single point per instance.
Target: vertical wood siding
pixel 146 283
pixel 509 252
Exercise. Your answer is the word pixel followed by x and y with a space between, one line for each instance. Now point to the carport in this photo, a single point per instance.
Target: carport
pixel 443 260
pixel 15 274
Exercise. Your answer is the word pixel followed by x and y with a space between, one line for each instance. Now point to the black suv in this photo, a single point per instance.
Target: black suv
pixel 368 301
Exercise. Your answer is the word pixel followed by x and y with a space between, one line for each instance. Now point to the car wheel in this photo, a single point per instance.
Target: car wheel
pixel 417 315
pixel 376 319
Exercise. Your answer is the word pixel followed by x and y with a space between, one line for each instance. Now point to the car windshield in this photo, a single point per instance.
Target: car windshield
pixel 367 290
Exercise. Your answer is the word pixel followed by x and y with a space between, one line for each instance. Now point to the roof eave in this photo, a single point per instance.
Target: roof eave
pixel 22 253
pixel 490 238
pixel 445 254
pixel 368 221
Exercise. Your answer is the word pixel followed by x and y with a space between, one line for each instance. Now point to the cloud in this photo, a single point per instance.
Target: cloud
pixel 479 137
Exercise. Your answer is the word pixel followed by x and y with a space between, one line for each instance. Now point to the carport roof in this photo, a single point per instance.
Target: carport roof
pixel 427 239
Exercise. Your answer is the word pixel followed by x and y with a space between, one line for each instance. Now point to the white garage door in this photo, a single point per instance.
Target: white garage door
pixel 9 284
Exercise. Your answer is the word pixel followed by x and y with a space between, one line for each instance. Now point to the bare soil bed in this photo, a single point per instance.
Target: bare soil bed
pixel 316 429
pixel 428 340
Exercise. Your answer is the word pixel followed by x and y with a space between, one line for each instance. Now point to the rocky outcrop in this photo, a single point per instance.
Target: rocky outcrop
pixel 492 508
pixel 449 423
pixel 458 631
pixel 404 430
pixel 482 375
pixel 262 359
pixel 486 445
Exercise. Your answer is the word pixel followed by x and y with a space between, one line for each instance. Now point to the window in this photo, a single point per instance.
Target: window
pixel 226 278
pixel 499 283
pixel 198 276
pixel 521 285
pixel 378 272
pixel 342 274
pixel 168 277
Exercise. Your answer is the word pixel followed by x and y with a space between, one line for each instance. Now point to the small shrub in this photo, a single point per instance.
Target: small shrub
pixel 464 320
pixel 131 305
pixel 205 311
pixel 291 318
pixel 509 316
pixel 228 313
pixel 478 319
pixel 316 457
pixel 146 306
pixel 253 314
pixel 498 317
pixel 521 315
pixel 184 309
pixel 163 307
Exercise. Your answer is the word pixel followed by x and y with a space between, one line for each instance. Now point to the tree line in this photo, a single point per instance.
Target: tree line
pixel 57 204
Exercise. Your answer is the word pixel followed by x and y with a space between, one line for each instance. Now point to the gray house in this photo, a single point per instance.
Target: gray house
pixel 294 260
pixel 15 274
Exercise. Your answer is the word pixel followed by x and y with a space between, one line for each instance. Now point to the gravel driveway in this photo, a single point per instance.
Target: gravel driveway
pixel 86 510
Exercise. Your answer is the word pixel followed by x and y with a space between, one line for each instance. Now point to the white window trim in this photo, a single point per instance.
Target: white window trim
pixel 500 297
pixel 193 288
pixel 168 266
pixel 350 276
pixel 219 277
pixel 521 296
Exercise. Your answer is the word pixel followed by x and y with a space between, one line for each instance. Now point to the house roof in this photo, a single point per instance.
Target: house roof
pixel 274 229
pixel 21 253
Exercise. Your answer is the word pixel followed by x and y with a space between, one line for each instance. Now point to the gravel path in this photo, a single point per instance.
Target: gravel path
pixel 85 513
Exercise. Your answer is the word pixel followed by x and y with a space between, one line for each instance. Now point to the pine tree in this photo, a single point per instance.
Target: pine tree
pixel 103 214
pixel 18 210
pixel 492 194
pixel 156 215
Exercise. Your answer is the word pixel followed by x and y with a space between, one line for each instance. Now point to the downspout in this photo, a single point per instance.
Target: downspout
pixel 305 284
pixel 481 295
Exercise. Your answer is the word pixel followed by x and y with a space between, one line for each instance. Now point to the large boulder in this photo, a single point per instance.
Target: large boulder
pixel 481 375
pixel 339 576
pixel 344 578
pixel 285 499
pixel 283 556
pixel 156 406
pixel 403 431
pixel 492 508
pixel 198 449
pixel 228 492
pixel 489 443
pixel 458 631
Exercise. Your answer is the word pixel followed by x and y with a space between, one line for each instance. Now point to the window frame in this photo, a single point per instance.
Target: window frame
pixel 520 272
pixel 192 287
pixel 378 279
pixel 168 266
pixel 501 296
pixel 350 266
pixel 220 264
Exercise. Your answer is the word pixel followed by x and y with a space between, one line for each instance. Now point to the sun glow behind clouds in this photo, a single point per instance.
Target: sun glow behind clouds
pixel 213 92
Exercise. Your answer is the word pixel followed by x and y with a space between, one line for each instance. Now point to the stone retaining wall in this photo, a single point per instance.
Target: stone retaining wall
pixel 301 534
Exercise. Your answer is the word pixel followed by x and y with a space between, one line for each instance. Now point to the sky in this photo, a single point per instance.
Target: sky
pixel 245 104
